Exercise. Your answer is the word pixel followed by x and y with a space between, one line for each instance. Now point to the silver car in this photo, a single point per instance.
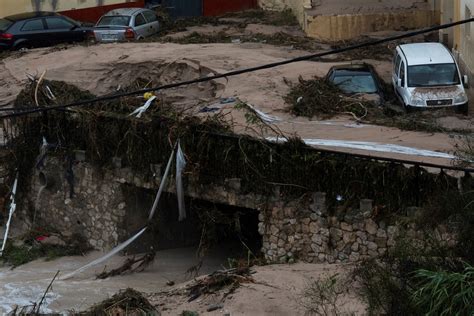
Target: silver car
pixel 126 25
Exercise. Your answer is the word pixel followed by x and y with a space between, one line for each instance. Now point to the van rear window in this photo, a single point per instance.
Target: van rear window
pixel 5 24
pixel 433 75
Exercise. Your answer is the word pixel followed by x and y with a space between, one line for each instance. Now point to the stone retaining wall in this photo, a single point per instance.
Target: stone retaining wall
pixel 99 211
pixel 96 209
pixel 312 235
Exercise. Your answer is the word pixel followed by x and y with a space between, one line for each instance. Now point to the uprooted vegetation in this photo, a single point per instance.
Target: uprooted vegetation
pixel 220 285
pixel 278 18
pixel 279 38
pixel 376 52
pixel 37 244
pixel 241 19
pixel 322 99
pixel 105 130
pixel 466 149
pixel 229 280
pixel 126 302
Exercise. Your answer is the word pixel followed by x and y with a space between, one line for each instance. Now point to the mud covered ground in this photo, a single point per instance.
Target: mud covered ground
pixel 103 69
pixel 276 290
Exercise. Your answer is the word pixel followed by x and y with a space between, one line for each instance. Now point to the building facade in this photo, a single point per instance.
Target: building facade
pixel 82 10
pixel 92 10
pixel 460 38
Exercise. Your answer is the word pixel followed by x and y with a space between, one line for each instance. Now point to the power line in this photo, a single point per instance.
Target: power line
pixel 29 110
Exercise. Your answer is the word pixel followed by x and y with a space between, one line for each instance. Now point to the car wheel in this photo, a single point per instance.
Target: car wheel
pixel 407 108
pixel 462 109
pixel 23 47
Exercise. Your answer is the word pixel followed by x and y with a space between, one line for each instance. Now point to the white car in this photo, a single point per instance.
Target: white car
pixel 126 24
pixel 426 75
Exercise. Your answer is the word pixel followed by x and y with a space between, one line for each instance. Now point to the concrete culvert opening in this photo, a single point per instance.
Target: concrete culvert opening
pixel 217 230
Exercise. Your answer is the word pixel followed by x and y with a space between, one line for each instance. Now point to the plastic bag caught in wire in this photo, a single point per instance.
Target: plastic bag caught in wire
pixel 139 111
pixel 180 165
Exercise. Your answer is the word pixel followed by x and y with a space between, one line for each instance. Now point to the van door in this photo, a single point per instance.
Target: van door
pixel 401 91
pixel 396 68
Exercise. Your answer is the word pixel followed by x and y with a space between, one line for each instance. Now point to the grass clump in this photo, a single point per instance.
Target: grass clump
pixel 444 292
pixel 433 277
pixel 27 249
pixel 322 297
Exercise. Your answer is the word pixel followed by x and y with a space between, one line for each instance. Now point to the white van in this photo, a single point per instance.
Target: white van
pixel 426 75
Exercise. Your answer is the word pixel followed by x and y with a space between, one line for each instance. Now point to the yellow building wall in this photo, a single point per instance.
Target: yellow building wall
pixel 10 7
pixel 463 46
pixel 464 34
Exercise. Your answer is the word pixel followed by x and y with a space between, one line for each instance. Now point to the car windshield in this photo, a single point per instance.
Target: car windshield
pixel 433 75
pixel 5 24
pixel 116 20
pixel 361 83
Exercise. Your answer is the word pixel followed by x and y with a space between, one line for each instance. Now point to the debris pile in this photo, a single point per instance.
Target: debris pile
pixel 318 97
pixel 225 279
pixel 131 265
pixel 322 99
pixel 279 18
pixel 127 302
pixel 107 130
pixel 375 52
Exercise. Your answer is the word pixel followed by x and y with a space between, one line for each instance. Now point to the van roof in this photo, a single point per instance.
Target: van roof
pixel 426 53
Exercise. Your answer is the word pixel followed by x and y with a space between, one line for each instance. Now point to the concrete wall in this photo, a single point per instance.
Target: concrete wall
pixel 10 7
pixel 345 22
pixel 297 6
pixel 345 27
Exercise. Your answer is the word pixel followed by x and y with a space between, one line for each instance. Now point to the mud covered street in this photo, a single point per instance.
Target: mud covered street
pixel 272 192
pixel 102 69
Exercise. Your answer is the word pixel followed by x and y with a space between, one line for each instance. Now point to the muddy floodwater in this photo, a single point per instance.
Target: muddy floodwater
pixel 27 283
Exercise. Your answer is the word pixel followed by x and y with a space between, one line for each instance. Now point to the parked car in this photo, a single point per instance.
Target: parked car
pixel 426 75
pixel 359 80
pixel 126 24
pixel 38 29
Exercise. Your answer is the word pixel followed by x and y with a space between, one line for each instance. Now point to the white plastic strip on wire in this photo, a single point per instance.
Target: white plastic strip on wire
pixel 163 183
pixel 269 119
pixel 139 111
pixel 180 165
pixel 133 238
pixel 371 146
pixel 106 257
pixel 10 215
